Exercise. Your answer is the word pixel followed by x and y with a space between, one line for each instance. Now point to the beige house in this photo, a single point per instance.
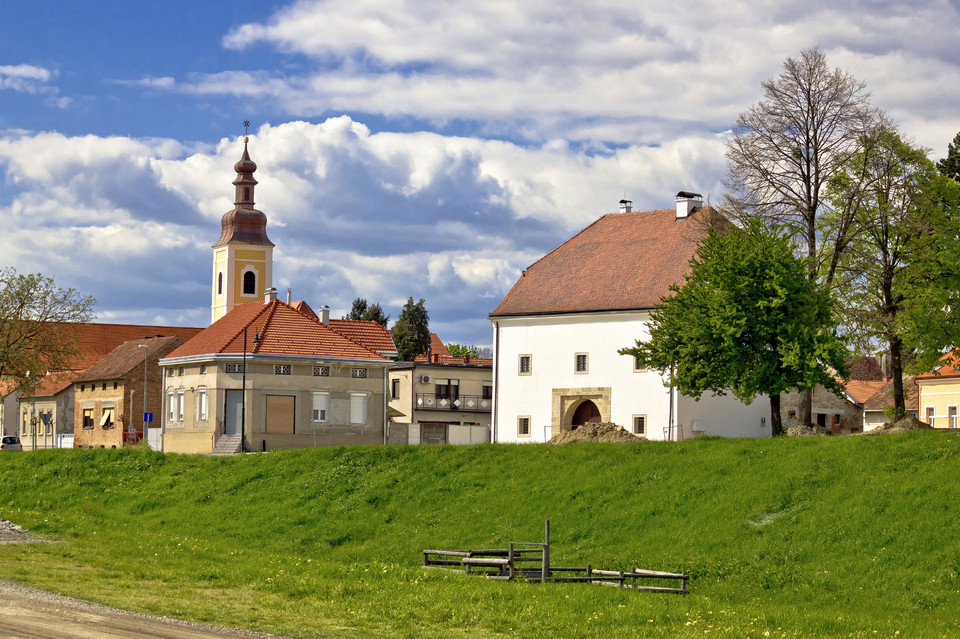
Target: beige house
pixel 266 376
pixel 109 396
pixel 939 393
pixel 448 400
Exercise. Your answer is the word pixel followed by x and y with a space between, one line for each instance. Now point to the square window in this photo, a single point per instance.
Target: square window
pixel 180 371
pixel 526 364
pixel 234 368
pixel 281 369
pixel 103 386
pixel 640 424
pixel 88 418
pixel 203 369
pixel 930 415
pixel 394 388
pixel 169 372
pixel 115 386
pixel 358 373
pixel 321 371
pixel 637 366
pixel 523 426
pixel 487 390
pixel 580 363
pixel 106 419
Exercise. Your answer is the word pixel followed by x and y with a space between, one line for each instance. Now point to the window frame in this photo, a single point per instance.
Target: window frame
pixel 931 415
pixel 358 401
pixel 577 359
pixel 320 414
pixel 523 422
pixel 529 364
pixel 633 422
pixel 202 403
pixel 952 417
pixel 282 369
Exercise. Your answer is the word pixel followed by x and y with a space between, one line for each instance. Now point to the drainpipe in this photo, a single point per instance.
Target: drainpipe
pixel 496 379
pixel 384 402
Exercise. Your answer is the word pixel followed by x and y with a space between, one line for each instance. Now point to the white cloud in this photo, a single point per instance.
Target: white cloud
pixel 591 71
pixel 353 213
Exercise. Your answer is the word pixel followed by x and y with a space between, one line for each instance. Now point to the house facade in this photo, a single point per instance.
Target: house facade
pixel 265 377
pixel 52 399
pixel 939 393
pixel 557 332
pixel 447 400
pixel 112 396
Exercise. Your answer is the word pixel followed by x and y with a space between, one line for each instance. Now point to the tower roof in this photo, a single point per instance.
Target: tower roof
pixel 244 224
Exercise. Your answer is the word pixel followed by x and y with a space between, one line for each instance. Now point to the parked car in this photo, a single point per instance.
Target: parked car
pixel 10 443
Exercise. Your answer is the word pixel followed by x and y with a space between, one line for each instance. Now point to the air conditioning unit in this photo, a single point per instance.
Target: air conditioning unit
pixel 424 379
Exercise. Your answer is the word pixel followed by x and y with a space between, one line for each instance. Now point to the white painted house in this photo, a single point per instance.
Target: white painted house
pixel 557 332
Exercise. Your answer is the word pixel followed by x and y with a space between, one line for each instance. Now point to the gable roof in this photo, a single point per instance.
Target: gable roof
pixel 861 390
pixel 367 332
pixel 623 261
pixel 282 330
pixel 883 398
pixel 125 358
pixel 96 341
pixel 949 366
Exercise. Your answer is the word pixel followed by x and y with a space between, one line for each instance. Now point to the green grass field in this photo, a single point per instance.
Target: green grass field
pixel 806 537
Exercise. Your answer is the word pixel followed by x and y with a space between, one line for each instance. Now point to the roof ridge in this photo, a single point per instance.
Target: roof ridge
pixel 270 309
pixel 350 339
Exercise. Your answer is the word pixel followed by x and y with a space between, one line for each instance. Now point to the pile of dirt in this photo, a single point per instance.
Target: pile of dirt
pixel 594 432
pixel 904 425
pixel 807 431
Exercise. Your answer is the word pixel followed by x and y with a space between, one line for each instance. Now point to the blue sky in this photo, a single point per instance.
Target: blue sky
pixel 424 149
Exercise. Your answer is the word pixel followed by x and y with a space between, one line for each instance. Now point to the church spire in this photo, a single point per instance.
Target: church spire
pixel 243 254
pixel 244 224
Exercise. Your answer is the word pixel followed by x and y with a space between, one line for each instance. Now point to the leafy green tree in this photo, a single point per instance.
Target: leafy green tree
pixel 463 350
pixel 411 332
pixel 931 312
pixel 747 320
pixel 950 165
pixel 785 149
pixel 38 325
pixel 887 185
pixel 362 311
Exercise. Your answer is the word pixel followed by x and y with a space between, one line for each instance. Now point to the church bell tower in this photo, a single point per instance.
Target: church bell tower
pixel 243 255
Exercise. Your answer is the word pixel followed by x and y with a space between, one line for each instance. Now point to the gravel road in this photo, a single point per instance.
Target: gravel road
pixel 26 613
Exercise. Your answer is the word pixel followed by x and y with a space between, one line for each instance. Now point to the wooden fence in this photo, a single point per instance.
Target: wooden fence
pixel 531 561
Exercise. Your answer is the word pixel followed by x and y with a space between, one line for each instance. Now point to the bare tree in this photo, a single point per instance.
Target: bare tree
pixel 784 151
pixel 38 325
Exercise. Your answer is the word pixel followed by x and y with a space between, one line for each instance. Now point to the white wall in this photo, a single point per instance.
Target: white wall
pixel 553 341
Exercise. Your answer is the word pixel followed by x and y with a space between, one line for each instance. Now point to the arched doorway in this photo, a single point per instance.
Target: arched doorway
pixel 586 412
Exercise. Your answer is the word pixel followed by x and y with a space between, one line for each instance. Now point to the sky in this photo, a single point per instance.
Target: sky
pixel 406 149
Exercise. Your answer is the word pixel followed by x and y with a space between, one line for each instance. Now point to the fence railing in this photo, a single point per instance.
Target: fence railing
pixel 463 403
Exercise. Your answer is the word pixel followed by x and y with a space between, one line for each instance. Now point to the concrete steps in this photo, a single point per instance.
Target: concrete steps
pixel 227 445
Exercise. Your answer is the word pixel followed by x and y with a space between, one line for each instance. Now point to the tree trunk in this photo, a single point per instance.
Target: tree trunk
pixel 896 371
pixel 776 423
pixel 805 407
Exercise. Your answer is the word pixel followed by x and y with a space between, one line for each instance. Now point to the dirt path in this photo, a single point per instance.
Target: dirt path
pixel 26 613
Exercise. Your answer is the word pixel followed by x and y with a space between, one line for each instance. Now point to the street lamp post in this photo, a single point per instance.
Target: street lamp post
pixel 143 417
pixel 243 392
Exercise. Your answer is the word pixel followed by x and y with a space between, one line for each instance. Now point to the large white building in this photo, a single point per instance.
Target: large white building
pixel 557 332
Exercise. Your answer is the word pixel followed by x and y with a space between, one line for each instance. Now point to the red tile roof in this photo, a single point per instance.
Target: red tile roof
pixel 437 348
pixel 367 332
pixel 883 398
pixel 97 340
pixel 126 357
pixel 861 390
pixel 282 331
pixel 948 367
pixel 623 261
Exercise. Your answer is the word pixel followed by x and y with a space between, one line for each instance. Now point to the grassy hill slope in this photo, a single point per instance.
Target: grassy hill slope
pixel 852 536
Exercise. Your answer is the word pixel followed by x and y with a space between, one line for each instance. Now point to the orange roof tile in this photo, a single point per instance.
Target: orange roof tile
pixel 126 357
pixel 437 348
pixel 281 331
pixel 367 332
pixel 883 398
pixel 861 390
pixel 949 366
pixel 623 261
